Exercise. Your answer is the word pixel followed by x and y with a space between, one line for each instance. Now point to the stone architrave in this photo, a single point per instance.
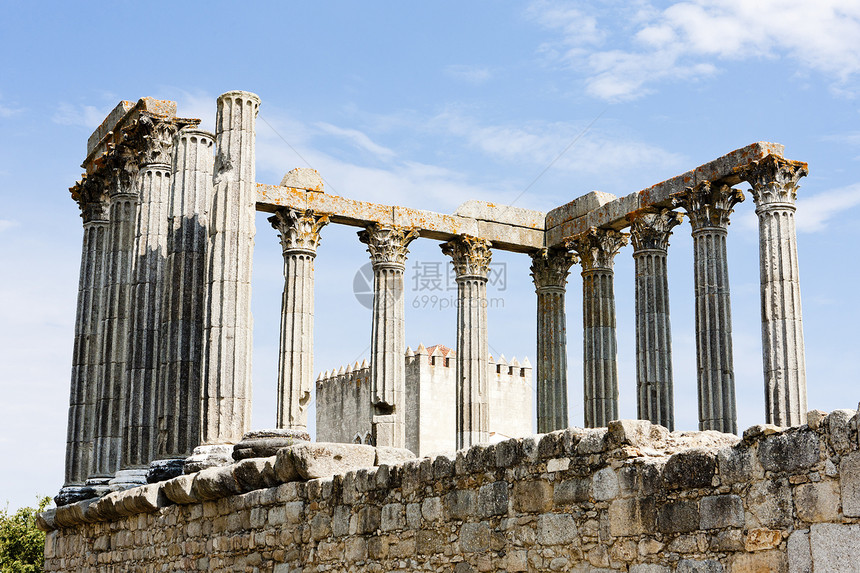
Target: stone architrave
pixel 709 207
pixel 550 269
pixel 649 233
pixel 471 257
pixel 183 303
pixel 92 197
pixel 116 318
pixel 300 235
pixel 387 246
pixel 228 323
pixel 152 137
pixel 597 249
pixel 774 190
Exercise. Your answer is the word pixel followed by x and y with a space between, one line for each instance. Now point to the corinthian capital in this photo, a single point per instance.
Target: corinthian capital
pixel 471 256
pixel 709 205
pixel 551 267
pixel 122 166
pixel 91 194
pixel 650 228
pixel 773 179
pixel 299 230
pixel 387 245
pixel 152 138
pixel 597 247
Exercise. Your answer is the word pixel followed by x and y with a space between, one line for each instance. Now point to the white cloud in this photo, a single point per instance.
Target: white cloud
pixel 687 40
pixel 358 139
pixel 6 224
pixel 814 212
pixel 80 115
pixel 470 74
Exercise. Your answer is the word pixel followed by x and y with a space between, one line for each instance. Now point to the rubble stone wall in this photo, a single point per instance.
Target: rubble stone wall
pixel 631 497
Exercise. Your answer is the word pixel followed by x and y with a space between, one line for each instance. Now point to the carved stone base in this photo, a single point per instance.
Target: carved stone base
pixel 209 456
pixel 163 470
pixel 74 494
pixel 124 479
pixel 265 443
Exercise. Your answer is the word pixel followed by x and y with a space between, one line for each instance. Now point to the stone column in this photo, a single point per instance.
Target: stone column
pixel 550 269
pixel 116 321
pixel 153 137
pixel 387 246
pixel 708 207
pixel 471 257
pixel 774 189
pixel 228 324
pixel 91 195
pixel 182 307
pixel 649 232
pixel 597 249
pixel 300 236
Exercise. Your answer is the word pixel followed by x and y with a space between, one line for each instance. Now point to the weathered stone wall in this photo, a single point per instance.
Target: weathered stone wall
pixel 628 498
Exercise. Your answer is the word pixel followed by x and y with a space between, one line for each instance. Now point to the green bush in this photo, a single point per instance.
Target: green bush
pixel 22 545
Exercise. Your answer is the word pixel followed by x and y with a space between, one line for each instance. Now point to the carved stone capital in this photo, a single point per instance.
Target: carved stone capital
pixel 121 167
pixel 708 205
pixel 773 179
pixel 152 138
pixel 471 256
pixel 91 194
pixel 597 247
pixel 387 245
pixel 551 267
pixel 650 228
pixel 299 231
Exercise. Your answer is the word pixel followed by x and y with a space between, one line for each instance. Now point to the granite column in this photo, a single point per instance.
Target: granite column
pixel 387 246
pixel 709 207
pixel 471 257
pixel 550 269
pixel 774 190
pixel 597 249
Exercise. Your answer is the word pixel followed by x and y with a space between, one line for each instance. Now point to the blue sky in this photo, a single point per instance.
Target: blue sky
pixel 428 105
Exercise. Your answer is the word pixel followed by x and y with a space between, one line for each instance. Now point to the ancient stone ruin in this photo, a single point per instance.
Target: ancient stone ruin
pixel 162 472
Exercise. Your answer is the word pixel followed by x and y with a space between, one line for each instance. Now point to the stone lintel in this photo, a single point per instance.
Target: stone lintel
pixel 430 225
pixel 570 219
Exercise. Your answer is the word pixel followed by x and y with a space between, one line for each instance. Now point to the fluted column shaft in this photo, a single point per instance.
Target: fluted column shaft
pixel 228 323
pixel 597 249
pixel 709 207
pixel 139 435
pixel 550 268
pixel 92 197
pixel 650 233
pixel 300 236
pixel 471 257
pixel 774 190
pixel 116 323
pixel 182 308
pixel 387 246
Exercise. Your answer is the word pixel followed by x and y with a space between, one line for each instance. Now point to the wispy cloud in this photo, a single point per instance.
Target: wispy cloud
pixel 357 138
pixel 80 115
pixel 470 74
pixel 688 40
pixel 6 224
pixel 814 212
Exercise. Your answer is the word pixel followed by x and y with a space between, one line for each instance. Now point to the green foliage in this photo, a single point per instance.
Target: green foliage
pixel 22 545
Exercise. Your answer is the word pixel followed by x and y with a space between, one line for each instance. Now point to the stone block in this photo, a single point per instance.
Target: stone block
pixel 431 509
pixel 557 465
pixel 834 547
pixel 321 459
pixel 604 484
pixel 649 568
pixel 689 469
pixel 817 502
pixel 303 178
pixel 849 482
pixel 266 443
pixel 696 566
pixel 772 561
pixel 143 499
pixel 251 474
pixel 635 433
pixel 761 539
pixel 737 465
pixel 413 515
pixel 718 511
pixel 592 442
pixel 461 504
pixel 474 537
pixel 178 489
pixel 678 516
pixel 574 490
pixel 839 430
pixel 798 552
pixel 532 496
pixel 431 542
pixel 493 499
pixel 368 520
pixel 789 451
pixel 551 445
pixel 556 529
pixel 215 483
pixel 769 503
pixel 390 456
pixel 632 516
pixel 392 517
